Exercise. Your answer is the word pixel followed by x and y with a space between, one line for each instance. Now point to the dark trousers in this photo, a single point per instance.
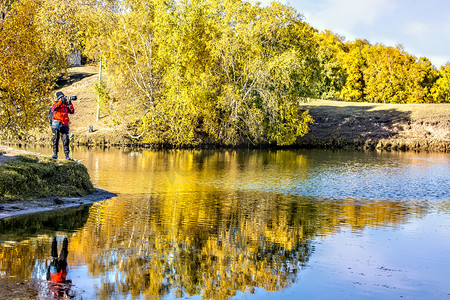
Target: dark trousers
pixel 64 251
pixel 64 133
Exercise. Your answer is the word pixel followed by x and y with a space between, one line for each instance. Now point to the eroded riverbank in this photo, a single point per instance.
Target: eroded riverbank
pixel 403 127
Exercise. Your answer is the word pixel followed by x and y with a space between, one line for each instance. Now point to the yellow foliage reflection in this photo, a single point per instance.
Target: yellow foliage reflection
pixel 195 223
pixel 214 243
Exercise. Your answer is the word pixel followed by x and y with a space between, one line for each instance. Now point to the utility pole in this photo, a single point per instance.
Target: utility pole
pixel 99 82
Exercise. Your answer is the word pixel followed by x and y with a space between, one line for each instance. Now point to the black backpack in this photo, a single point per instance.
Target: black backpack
pixel 50 115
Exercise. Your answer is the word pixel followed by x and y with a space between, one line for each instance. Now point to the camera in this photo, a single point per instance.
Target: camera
pixel 69 100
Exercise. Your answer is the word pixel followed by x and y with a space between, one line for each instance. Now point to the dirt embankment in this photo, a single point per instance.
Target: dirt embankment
pixel 417 127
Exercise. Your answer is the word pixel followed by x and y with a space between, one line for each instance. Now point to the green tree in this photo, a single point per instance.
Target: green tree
pixel 265 67
pixel 331 69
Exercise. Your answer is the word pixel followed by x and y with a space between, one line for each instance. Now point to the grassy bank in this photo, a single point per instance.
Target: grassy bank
pixel 406 127
pixel 27 177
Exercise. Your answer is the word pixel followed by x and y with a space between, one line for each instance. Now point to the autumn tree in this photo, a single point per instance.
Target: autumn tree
pixel 441 89
pixel 211 71
pixel 199 71
pixel 377 73
pixel 331 75
pixel 353 63
pixel 35 39
pixel 5 6
pixel 394 76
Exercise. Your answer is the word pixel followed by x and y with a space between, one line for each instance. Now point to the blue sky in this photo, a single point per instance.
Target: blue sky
pixel 421 26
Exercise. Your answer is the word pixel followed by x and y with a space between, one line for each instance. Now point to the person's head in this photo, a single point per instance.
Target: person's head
pixel 59 95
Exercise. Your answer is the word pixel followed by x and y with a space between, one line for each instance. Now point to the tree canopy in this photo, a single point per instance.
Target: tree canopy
pixel 212 71
pixel 200 71
pixel 35 39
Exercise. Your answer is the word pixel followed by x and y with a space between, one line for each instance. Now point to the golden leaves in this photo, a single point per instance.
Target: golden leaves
pixel 33 53
pixel 208 71
pixel 359 71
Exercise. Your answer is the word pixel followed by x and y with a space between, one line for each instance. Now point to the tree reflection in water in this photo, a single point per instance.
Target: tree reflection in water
pixel 214 244
pixel 170 232
pixel 210 243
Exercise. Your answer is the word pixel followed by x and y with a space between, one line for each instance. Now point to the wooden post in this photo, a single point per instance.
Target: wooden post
pixel 99 81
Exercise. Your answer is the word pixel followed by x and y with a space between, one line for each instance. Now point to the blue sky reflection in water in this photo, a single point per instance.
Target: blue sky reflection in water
pixel 342 175
pixel 253 225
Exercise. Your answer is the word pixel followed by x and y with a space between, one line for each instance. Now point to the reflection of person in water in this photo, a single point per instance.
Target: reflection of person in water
pixel 57 270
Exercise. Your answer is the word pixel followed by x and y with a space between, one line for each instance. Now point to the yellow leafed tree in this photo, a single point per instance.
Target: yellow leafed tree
pixel 35 40
pixel 226 72
pixel 441 89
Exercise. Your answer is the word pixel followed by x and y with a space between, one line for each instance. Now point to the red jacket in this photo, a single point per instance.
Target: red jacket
pixel 61 111
pixel 59 277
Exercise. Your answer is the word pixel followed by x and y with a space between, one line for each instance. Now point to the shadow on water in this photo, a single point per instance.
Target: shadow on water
pixel 63 220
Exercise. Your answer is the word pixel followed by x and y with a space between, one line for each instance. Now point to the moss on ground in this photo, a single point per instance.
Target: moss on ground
pixel 33 177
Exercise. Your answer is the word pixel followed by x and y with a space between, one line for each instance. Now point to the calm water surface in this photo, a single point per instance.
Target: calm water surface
pixel 246 225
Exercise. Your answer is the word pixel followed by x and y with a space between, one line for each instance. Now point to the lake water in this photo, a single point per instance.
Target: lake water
pixel 246 224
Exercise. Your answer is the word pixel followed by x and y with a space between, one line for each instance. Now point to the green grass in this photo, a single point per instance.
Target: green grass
pixel 30 177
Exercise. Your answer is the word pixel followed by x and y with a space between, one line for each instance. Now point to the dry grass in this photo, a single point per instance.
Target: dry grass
pixel 375 125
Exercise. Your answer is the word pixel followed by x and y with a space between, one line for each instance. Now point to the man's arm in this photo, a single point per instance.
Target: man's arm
pixel 57 104
pixel 71 108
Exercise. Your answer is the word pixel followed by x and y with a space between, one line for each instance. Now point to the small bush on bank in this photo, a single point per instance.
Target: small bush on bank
pixel 31 177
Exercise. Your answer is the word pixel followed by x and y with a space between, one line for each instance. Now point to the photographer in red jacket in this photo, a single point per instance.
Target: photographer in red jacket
pixel 59 285
pixel 59 121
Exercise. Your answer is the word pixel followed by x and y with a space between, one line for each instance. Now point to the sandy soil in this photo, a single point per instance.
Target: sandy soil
pixel 16 208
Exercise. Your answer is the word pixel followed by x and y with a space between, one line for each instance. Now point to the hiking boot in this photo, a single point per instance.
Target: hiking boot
pixel 55 156
pixel 68 158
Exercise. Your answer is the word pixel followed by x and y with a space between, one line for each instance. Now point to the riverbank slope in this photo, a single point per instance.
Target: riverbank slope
pixel 418 127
